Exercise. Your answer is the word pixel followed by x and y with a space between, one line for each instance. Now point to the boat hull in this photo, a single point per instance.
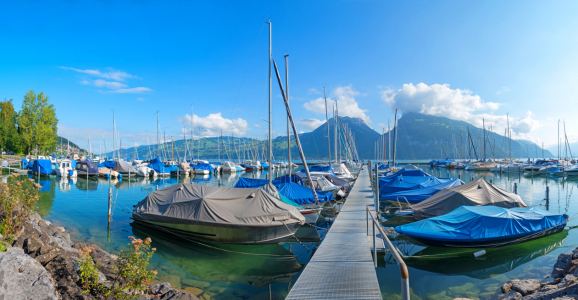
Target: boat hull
pixel 216 233
pixel 503 242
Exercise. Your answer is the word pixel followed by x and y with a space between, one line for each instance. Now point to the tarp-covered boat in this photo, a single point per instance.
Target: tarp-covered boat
pixel 87 168
pixel 418 195
pixel 42 167
pixel 295 192
pixel 476 193
pixel 124 168
pixel 219 214
pixel 485 227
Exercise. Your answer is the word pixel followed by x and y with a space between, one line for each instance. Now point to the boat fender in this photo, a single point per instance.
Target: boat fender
pixel 566 217
pixel 479 253
pixel 252 195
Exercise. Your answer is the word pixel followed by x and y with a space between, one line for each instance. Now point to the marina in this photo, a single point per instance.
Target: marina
pixel 313 150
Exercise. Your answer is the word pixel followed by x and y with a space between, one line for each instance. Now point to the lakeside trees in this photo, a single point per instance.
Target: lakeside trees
pixel 34 127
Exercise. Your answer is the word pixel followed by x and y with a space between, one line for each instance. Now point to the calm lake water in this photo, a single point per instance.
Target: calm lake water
pixel 256 272
pixel 221 271
pixel 442 273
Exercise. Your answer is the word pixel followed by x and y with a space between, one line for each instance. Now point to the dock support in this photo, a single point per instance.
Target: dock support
pixel 377 193
pixel 515 188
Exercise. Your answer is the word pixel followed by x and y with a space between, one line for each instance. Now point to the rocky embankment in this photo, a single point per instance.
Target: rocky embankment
pixel 42 264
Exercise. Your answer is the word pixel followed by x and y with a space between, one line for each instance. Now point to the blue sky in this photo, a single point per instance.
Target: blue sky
pixel 464 60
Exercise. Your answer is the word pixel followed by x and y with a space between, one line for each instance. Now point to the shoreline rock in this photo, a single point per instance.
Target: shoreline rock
pixel 42 264
pixel 564 283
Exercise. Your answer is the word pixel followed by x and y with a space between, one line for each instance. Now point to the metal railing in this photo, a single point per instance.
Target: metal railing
pixel 404 274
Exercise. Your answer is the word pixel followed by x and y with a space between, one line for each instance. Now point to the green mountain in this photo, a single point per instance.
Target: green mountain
pixel 423 136
pixel 419 137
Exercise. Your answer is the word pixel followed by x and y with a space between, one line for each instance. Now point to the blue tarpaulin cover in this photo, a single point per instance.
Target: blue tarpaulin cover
pixel 24 161
pixel 157 165
pixel 483 223
pixel 202 166
pixel 418 195
pixel 30 164
pixel 109 164
pixel 42 166
pixel 292 191
pixel 403 172
pixel 406 183
pixel 73 164
pixel 320 168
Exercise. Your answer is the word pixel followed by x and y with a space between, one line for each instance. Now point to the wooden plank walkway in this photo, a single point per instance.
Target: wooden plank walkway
pixel 342 267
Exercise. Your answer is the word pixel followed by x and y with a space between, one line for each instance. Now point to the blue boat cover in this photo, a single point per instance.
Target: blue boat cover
pixel 24 161
pixel 171 168
pixel 264 165
pixel 73 164
pixel 42 166
pixel 30 164
pixel 202 166
pixel 483 223
pixel 320 168
pixel 109 164
pixel 292 178
pixel 292 191
pixel 301 194
pixel 404 172
pixel 101 166
pixel 406 183
pixel 157 165
pixel 418 195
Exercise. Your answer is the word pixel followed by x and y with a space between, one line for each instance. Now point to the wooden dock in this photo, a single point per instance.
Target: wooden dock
pixel 342 267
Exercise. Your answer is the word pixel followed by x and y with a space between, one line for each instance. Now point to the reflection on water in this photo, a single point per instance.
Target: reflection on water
pixel 228 272
pixel 445 273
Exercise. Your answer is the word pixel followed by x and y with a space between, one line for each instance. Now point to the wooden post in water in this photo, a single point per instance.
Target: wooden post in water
pixel 547 198
pixel 515 188
pixel 109 205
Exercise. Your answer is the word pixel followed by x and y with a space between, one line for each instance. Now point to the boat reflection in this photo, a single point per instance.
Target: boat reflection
pixel 257 265
pixel 496 261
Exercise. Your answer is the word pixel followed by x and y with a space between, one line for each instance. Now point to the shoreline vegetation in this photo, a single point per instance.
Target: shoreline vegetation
pixel 38 259
pixel 33 128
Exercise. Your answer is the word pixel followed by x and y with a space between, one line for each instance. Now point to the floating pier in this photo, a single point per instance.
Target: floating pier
pixel 343 267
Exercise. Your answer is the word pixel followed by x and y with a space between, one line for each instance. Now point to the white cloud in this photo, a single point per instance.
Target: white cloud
pixel 109 73
pixel 310 124
pixel 140 99
pixel 136 90
pixel 345 97
pixel 457 104
pixel 257 126
pixel 103 83
pixel 313 91
pixel 213 124
pixel 503 90
pixel 115 86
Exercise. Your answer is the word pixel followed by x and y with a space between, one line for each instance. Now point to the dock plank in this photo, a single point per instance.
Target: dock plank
pixel 342 267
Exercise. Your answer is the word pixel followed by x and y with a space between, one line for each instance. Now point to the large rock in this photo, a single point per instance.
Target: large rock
pixel 564 261
pixel 526 286
pixel 62 269
pixel 22 277
pixel 105 261
pixel 512 295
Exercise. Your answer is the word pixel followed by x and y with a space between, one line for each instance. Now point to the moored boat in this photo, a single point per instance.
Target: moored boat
pixel 219 214
pixel 485 227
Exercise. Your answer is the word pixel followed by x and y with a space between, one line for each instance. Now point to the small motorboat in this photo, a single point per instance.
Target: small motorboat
pixel 485 227
pixel 42 167
pixel 202 168
pixel 219 214
pixel 66 168
pixel 87 169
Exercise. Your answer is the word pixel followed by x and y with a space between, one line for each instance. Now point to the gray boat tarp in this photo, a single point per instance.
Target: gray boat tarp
pixel 476 193
pixel 124 167
pixel 193 204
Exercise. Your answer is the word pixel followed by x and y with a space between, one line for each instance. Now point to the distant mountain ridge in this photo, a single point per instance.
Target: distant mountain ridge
pixel 419 137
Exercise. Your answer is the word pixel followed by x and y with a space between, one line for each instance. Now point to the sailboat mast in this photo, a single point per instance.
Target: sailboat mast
pixel 327 124
pixel 158 137
pixel 395 138
pixel 287 95
pixel 270 150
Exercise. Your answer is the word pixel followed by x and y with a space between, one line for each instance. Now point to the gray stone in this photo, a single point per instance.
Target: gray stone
pixel 526 286
pixel 512 295
pixel 553 294
pixel 566 297
pixel 35 218
pixel 22 277
pixel 575 254
pixel 161 288
pixel 47 257
pixel 506 287
pixel 172 295
pixel 563 262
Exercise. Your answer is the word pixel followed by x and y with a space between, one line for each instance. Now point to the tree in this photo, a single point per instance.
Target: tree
pixel 9 138
pixel 37 123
